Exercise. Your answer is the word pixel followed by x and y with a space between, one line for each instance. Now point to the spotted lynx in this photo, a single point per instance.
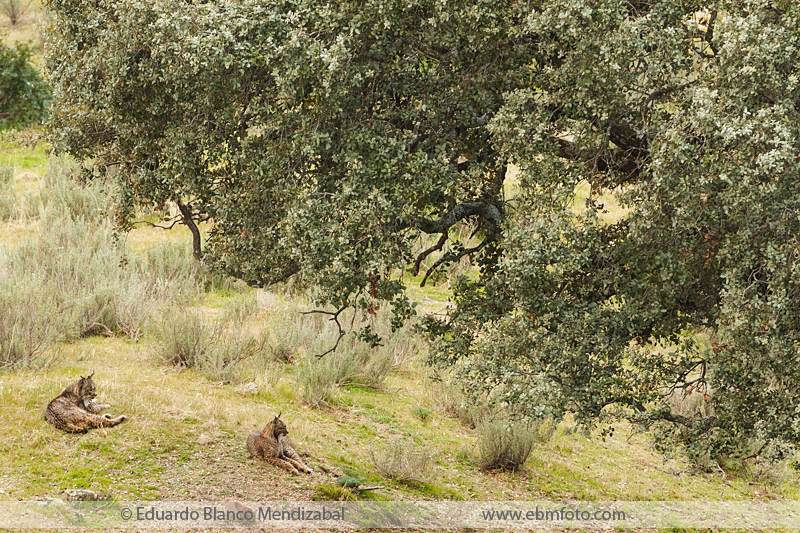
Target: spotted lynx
pixel 274 446
pixel 75 410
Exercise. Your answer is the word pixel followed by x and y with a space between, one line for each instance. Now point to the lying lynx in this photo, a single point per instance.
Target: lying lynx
pixel 274 446
pixel 75 410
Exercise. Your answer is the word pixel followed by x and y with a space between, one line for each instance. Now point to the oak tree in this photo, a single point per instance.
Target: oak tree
pixel 350 141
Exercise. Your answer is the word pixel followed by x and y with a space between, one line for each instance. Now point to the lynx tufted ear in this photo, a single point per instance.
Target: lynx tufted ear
pixel 90 375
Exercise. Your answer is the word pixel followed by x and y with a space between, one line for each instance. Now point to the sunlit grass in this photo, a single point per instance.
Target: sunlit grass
pixel 184 433
pixel 22 155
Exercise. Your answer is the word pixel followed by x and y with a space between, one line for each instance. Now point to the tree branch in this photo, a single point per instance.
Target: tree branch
pixel 335 317
pixel 709 36
pixel 486 209
pixel 178 220
pixel 435 248
pixel 455 257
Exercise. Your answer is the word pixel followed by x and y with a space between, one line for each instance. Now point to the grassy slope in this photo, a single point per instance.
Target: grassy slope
pixel 185 439
pixel 185 435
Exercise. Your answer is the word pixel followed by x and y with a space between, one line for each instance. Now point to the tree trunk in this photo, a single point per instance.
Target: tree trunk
pixel 189 221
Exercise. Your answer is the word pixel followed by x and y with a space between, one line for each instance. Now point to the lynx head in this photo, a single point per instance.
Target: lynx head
pixel 278 427
pixel 86 389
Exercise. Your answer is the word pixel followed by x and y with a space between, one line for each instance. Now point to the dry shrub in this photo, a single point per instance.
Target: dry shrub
pixel 292 332
pixel 217 348
pixel 505 444
pixel 352 363
pixel 8 195
pixel 183 337
pixel 404 462
pixel 26 326
pixel 450 400
pixel 77 273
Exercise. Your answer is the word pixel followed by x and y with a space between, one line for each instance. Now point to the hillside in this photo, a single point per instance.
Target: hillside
pixel 186 428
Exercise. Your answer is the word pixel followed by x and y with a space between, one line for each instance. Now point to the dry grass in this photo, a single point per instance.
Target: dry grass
pixel 612 211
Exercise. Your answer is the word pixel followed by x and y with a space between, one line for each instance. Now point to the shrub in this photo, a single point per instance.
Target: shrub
pixel 450 400
pixel 27 328
pixel 288 333
pixel 402 461
pixel 268 375
pixel 224 360
pixel 23 94
pixel 8 200
pixel 173 265
pixel 353 363
pixel 75 278
pixel 183 337
pixel 422 412
pixel 505 444
pixel 331 492
pixel 217 348
pixel 319 379
pixel 242 309
pixel 63 194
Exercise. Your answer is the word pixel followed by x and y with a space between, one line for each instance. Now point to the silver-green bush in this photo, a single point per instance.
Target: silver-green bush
pixel 403 461
pixel 506 444
pixel 76 277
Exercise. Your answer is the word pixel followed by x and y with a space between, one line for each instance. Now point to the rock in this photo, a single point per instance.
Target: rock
pixel 249 388
pixel 83 495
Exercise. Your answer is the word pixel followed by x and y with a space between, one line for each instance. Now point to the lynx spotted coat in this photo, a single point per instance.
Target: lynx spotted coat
pixel 273 445
pixel 75 410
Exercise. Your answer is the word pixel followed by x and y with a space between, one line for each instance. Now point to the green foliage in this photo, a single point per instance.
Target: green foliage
pixel 331 492
pixel 349 481
pixel 23 94
pixel 326 140
pixel 330 136
pixel 421 412
pixel 690 118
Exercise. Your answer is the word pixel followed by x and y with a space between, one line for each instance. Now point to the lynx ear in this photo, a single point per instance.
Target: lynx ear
pixel 90 375
pixel 279 415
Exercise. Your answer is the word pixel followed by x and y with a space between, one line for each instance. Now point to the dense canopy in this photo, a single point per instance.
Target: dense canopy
pixel 351 141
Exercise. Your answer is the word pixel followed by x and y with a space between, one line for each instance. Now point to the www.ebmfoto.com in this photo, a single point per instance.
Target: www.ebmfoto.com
pixel 565 513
